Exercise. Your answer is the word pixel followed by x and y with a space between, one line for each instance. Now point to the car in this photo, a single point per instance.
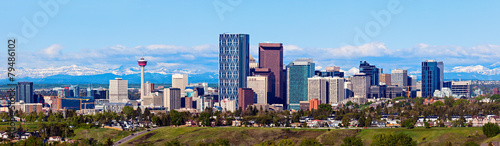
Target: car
pixel 132 134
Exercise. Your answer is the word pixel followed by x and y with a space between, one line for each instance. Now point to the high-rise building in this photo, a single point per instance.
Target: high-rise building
pixel 172 98
pixel 118 91
pixel 361 85
pixel 393 91
pixel 246 97
pixel 260 85
pixel 74 91
pixel 348 88
pixel 297 74
pixel 385 78
pixel 314 104
pixel 233 64
pixel 399 78
pixel 317 88
pixel 412 82
pixel 24 92
pixel 336 90
pixel 371 71
pixel 142 63
pixel 251 62
pixel 432 77
pixel 271 56
pixel 180 81
pixel 461 89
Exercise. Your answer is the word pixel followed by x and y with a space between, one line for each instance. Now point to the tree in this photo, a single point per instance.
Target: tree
pixel 438 103
pixel 205 118
pixel 491 129
pixel 396 139
pixel 352 141
pixel 427 125
pixel 368 121
pixel 128 111
pixel 345 121
pixel 310 142
pixel 177 118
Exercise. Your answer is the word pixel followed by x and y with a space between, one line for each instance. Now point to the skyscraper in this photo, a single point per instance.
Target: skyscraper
pixel 361 86
pixel 371 71
pixel 385 78
pixel 271 56
pixel 432 77
pixel 297 74
pixel 399 77
pixel 118 90
pixel 233 64
pixel 246 97
pixel 172 98
pixel 336 90
pixel 24 92
pixel 317 88
pixel 180 81
pixel 74 91
pixel 260 85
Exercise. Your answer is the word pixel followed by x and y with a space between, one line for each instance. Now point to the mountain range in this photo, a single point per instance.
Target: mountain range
pixel 84 75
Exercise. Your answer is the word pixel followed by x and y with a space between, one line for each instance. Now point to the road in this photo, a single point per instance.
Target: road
pixel 126 139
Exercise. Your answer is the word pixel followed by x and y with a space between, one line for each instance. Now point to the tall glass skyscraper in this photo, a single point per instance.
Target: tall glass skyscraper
pixel 24 92
pixel 370 70
pixel 233 64
pixel 432 77
pixel 297 74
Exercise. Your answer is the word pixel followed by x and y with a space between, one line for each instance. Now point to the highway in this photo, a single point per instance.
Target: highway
pixel 126 139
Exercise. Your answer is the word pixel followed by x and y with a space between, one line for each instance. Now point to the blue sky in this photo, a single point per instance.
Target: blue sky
pixel 183 35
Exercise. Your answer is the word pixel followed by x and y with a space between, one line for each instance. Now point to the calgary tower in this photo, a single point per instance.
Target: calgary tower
pixel 142 64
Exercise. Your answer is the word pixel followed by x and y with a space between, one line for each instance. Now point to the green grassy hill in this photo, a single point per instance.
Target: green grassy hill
pixel 252 136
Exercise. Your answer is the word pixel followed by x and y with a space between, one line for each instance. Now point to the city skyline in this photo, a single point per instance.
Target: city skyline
pixel 327 37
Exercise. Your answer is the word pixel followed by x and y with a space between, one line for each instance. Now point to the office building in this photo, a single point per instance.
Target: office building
pixel 332 69
pixel 304 105
pixel 260 86
pixel 271 56
pixel 361 85
pixel 172 98
pixel 412 82
pixel 314 104
pixel 74 91
pixel 399 78
pixel 461 89
pixel 336 90
pixel 317 88
pixel 385 79
pixel 393 92
pixel 495 91
pixel 233 64
pixel 432 77
pixel 377 92
pixel 348 88
pixel 297 73
pixel 24 92
pixel 245 96
pixel 118 90
pixel 251 62
pixel 180 81
pixel 370 70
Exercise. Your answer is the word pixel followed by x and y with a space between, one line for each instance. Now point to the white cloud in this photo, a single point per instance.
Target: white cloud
pixel 351 71
pixel 53 50
pixel 476 69
pixel 318 68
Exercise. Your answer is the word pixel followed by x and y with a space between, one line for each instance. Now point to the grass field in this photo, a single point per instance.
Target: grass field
pixel 252 136
pixel 100 134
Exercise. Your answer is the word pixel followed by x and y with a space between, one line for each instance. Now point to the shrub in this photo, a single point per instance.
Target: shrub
pixel 491 129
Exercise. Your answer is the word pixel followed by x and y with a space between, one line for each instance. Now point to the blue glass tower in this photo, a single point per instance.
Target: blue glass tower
pixel 296 82
pixel 24 92
pixel 233 64
pixel 370 70
pixel 432 77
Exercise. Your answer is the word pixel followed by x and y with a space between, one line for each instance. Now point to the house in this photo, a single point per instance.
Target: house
pixel 295 125
pixel 335 123
pixel 478 121
pixel 315 123
pixel 55 138
pixel 191 123
pixel 419 124
pixel 393 123
pixel 25 135
pixel 305 119
pixel 236 123
pixel 377 124
pixel 353 123
pixel 4 135
pixel 447 124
